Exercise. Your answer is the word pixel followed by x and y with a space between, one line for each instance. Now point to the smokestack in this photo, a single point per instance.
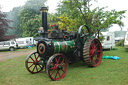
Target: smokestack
pixel 44 21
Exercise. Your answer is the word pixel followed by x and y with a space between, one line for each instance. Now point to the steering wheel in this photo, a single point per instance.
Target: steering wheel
pixel 83 33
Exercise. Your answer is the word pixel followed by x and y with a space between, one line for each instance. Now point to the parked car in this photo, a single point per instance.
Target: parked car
pixel 8 45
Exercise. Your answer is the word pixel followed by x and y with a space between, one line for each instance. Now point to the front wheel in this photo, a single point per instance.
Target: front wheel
pixel 11 48
pixel 32 63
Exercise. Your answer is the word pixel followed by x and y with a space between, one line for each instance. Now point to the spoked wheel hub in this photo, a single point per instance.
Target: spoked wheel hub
pixel 35 62
pixel 92 52
pixel 32 63
pixel 57 67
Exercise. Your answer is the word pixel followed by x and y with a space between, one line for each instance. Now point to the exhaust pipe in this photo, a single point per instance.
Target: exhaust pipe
pixel 44 11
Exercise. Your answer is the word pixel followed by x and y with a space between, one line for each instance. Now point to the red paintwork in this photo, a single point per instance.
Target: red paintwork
pixel 95 52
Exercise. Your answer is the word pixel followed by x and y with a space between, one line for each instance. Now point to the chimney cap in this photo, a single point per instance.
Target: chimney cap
pixel 44 9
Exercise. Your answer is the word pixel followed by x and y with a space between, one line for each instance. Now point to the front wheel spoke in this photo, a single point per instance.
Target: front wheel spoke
pixel 29 62
pixel 30 66
pixel 35 56
pixel 33 69
pixel 36 68
pixel 40 66
pixel 31 58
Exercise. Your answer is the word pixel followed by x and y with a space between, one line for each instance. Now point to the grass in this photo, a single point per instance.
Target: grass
pixel 110 72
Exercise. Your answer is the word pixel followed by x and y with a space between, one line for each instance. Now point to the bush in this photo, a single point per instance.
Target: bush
pixel 120 43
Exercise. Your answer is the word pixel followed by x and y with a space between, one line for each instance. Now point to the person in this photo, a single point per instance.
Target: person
pixel 41 29
pixel 65 29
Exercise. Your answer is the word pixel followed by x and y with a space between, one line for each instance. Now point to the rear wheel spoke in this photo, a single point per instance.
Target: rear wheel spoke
pixel 52 72
pixel 56 75
pixel 59 73
pixel 62 62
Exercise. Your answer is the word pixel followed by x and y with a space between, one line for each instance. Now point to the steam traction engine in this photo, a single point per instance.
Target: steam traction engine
pixel 56 51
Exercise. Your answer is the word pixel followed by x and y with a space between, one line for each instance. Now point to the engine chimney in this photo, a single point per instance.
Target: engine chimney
pixel 44 21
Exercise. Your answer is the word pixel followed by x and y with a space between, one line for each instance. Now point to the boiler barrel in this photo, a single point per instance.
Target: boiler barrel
pixel 64 46
pixel 48 48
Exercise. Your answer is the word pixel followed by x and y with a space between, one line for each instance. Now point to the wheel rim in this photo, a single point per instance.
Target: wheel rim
pixel 95 52
pixel 32 63
pixel 11 49
pixel 57 67
pixel 92 52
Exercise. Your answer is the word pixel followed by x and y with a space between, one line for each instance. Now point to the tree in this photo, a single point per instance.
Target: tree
pixel 4 26
pixel 14 16
pixel 65 21
pixel 30 20
pixel 96 18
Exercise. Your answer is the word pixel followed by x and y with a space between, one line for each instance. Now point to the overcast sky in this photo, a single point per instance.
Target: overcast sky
pixel 8 5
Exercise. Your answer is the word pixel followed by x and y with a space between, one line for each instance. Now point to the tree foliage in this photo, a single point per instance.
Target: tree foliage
pixel 30 20
pixel 96 19
pixel 4 26
pixel 14 16
pixel 65 22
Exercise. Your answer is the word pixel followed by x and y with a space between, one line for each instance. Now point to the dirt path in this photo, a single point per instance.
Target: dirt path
pixel 7 55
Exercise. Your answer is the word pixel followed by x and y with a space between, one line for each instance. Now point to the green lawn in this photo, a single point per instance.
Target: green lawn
pixel 110 72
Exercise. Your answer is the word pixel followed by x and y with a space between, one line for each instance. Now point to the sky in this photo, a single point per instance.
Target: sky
pixel 119 5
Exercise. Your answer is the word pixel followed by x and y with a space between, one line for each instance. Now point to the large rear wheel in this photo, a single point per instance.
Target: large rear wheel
pixel 57 67
pixel 92 52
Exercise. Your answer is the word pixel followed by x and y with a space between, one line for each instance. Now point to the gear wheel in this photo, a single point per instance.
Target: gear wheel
pixel 92 52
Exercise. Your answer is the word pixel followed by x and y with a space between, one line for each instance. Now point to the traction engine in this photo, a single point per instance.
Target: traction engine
pixel 54 52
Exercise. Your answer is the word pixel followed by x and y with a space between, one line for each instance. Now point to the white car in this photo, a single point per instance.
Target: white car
pixel 8 45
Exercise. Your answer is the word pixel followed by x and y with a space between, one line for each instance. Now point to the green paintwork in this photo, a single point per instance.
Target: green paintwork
pixel 64 46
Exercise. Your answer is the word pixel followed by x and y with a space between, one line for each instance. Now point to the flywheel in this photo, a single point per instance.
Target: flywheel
pixel 92 52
